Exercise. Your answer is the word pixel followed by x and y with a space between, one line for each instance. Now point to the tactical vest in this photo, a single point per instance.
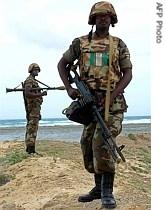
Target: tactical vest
pixel 95 68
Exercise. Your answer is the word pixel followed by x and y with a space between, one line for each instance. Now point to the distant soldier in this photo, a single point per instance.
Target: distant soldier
pixel 105 66
pixel 33 100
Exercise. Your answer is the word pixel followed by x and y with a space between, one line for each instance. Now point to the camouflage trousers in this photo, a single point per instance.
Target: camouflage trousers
pixel 31 131
pixel 96 154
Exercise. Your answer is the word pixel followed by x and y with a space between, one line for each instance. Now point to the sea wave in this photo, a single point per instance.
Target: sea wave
pixel 65 122
pixel 137 121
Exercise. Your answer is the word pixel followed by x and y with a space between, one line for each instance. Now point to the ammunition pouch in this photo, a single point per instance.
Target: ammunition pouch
pixel 79 112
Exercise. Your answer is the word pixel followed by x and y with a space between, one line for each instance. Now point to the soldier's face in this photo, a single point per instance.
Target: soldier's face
pixel 35 71
pixel 103 21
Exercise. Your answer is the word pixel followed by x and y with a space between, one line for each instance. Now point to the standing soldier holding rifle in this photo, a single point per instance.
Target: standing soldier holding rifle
pixel 33 100
pixel 105 67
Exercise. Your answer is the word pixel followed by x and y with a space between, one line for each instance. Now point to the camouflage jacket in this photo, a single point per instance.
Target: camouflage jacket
pixel 33 102
pixel 94 65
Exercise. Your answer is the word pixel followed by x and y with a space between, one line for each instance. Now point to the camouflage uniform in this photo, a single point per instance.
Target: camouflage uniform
pixel 104 65
pixel 94 68
pixel 33 107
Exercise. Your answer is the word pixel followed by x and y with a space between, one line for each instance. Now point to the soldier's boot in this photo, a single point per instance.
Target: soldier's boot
pixel 107 198
pixel 95 193
pixel 30 149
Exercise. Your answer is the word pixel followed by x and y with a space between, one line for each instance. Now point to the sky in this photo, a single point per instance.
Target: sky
pixel 41 31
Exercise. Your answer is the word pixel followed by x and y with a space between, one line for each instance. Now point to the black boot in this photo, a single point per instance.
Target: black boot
pixel 30 149
pixel 107 198
pixel 95 193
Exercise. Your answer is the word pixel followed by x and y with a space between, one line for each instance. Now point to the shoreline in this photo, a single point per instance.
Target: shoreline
pixel 66 132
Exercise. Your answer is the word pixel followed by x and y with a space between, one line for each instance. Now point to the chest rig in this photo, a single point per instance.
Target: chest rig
pixel 95 66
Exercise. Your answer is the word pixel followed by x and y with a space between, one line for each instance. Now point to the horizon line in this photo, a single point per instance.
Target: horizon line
pixel 68 119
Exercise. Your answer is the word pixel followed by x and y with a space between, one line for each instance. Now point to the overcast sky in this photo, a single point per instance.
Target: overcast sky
pixel 41 30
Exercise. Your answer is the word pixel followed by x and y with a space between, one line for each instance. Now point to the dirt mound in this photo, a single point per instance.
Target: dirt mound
pixel 54 180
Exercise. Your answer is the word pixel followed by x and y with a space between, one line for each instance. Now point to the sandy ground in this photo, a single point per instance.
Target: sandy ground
pixel 55 178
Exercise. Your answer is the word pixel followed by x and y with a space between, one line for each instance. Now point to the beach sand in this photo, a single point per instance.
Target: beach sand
pixel 55 178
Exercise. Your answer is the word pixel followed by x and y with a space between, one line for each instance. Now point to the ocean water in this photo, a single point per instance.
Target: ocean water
pixel 64 121
pixel 63 129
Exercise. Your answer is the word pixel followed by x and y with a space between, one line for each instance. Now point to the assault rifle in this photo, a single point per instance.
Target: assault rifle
pixel 87 99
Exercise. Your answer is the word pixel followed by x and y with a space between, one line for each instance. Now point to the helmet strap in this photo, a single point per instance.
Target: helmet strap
pixel 90 34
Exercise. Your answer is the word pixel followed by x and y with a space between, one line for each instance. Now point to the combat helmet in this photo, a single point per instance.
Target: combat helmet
pixel 33 65
pixel 102 7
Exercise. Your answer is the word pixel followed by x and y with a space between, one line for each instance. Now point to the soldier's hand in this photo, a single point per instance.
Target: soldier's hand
pixel 44 93
pixel 73 93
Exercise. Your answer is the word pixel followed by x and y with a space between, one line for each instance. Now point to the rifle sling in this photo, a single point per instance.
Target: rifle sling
pixel 108 96
pixel 42 83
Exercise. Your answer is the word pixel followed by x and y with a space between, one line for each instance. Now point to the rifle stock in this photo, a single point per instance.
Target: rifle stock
pixel 88 99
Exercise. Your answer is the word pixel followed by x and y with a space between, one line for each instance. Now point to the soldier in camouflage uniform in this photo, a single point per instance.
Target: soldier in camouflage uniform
pixel 105 66
pixel 33 100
